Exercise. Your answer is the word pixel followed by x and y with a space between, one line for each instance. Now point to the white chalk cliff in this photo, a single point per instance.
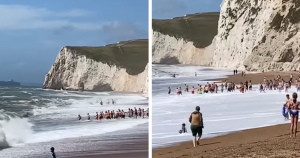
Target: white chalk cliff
pixel 77 72
pixel 168 49
pixel 253 35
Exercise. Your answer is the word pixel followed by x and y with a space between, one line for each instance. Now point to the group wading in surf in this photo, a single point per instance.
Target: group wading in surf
pixel 290 109
pixel 118 114
pixel 276 83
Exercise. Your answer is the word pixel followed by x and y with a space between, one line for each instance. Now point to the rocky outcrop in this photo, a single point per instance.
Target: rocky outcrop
pixel 256 35
pixel 110 68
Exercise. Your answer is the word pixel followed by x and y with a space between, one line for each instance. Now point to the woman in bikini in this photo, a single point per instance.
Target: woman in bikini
pixel 294 112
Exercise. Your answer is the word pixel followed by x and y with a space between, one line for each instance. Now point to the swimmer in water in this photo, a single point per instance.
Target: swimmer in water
pixel 79 117
pixel 88 116
pixel 193 90
pixel 101 103
pixel 261 88
pixel 183 129
pixel 97 116
pixel 294 111
pixel 169 90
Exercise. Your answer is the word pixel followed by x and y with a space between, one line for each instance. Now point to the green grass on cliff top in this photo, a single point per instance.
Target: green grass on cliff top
pixel 131 55
pixel 200 28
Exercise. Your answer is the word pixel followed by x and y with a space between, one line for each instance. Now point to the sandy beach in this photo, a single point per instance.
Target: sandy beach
pixel 256 78
pixel 271 141
pixel 136 148
pixel 128 146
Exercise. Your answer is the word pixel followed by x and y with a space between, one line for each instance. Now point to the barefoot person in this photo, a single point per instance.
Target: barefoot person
pixel 294 111
pixel 196 121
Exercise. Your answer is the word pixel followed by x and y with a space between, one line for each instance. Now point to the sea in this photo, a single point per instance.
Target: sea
pixel 33 119
pixel 223 113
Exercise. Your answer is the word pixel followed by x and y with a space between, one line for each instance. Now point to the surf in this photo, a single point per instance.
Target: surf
pixel 14 130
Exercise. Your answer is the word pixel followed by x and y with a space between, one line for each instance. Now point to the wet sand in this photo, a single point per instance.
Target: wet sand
pixel 125 146
pixel 256 78
pixel 273 141
pixel 137 148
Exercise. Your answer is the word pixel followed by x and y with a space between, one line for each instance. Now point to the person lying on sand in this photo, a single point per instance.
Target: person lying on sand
pixel 196 121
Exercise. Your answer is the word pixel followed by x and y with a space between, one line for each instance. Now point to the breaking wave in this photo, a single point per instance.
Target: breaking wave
pixel 13 130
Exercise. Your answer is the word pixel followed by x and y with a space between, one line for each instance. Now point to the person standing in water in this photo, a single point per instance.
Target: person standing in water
pixel 196 121
pixel 88 116
pixel 97 116
pixel 294 112
pixel 169 90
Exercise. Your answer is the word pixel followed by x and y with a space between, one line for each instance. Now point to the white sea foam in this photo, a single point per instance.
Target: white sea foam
pixel 8 96
pixel 14 130
pixel 223 113
pixel 61 115
pixel 86 128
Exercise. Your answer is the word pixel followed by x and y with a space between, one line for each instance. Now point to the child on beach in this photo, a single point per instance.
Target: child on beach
pixel 183 129
pixel 285 112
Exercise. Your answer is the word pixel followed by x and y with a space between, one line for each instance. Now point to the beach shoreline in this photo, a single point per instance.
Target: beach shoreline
pixel 136 147
pixel 256 77
pixel 267 141
pixel 245 143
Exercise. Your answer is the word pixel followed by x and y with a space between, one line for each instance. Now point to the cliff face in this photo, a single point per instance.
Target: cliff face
pixel 169 50
pixel 183 39
pixel 102 69
pixel 256 35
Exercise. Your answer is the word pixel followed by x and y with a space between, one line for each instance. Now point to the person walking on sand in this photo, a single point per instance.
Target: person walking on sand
pixel 294 112
pixel 52 152
pixel 197 126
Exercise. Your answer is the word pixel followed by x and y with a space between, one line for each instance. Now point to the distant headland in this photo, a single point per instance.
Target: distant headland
pixel 10 83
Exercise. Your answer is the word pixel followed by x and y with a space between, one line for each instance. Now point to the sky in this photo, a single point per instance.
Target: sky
pixel 32 32
pixel 167 9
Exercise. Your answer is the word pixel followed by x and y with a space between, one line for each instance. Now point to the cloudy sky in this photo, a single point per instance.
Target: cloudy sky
pixel 32 32
pixel 166 9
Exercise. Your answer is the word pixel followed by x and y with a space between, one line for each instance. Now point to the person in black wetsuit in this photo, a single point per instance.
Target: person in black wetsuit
pixel 52 152
pixel 101 103
pixel 169 92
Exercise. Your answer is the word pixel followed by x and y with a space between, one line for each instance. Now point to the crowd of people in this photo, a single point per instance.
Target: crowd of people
pixel 276 83
pixel 119 114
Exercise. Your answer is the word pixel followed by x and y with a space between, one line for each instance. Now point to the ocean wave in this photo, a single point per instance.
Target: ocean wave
pixel 25 92
pixel 8 96
pixel 13 130
pixel 159 73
